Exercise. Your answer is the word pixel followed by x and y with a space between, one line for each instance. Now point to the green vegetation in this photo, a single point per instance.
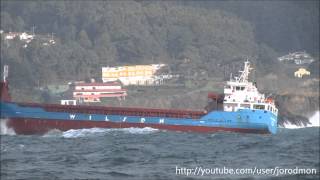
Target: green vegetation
pixel 198 39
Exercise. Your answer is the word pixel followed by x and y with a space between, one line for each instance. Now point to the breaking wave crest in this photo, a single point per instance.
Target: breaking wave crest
pixel 314 121
pixel 4 129
pixel 53 133
pixel 76 133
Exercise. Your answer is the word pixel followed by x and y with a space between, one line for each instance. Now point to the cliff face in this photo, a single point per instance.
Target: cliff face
pixel 297 98
pixel 296 108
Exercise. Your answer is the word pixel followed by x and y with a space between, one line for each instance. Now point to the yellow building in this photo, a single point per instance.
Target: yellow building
pixel 131 75
pixel 301 72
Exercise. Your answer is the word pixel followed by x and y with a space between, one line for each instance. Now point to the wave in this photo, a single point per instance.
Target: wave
pixel 288 125
pixel 77 133
pixel 4 129
pixel 146 130
pixel 313 122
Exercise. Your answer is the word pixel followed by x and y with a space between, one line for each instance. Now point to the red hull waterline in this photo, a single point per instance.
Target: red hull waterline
pixel 29 126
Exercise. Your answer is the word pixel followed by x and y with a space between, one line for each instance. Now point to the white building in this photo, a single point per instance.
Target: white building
pixel 92 92
pixel 297 58
pixel 26 37
pixel 11 35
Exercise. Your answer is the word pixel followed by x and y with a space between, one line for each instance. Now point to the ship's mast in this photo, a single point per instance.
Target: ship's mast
pixel 244 77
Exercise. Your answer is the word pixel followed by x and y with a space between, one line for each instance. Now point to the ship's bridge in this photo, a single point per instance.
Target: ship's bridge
pixel 231 87
pixel 242 94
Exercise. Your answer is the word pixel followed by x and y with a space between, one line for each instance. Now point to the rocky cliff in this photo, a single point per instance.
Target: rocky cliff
pixel 296 108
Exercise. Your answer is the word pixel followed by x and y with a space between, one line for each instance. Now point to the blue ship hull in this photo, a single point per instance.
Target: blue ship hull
pixel 38 120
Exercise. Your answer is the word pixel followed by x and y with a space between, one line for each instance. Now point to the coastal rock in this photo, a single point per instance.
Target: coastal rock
pixel 296 109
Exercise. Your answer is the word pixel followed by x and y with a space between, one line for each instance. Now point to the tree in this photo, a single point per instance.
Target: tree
pixel 84 39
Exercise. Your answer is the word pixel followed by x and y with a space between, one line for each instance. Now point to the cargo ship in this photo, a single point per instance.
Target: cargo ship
pixel 240 109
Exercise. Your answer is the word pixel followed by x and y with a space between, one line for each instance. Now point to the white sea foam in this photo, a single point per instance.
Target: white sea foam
pixel 4 129
pixel 75 133
pixel 288 125
pixel 146 130
pixel 53 133
pixel 314 122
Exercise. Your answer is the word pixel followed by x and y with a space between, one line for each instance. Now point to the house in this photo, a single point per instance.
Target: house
pixel 52 41
pixel 301 72
pixel 297 58
pixel 22 36
pixel 133 75
pixel 26 37
pixel 93 92
pixel 11 35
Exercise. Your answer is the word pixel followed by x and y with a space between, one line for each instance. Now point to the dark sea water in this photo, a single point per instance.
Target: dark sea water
pixel 152 154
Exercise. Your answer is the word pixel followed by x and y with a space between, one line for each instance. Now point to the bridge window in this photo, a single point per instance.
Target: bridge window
pixel 245 105
pixel 258 106
pixel 239 88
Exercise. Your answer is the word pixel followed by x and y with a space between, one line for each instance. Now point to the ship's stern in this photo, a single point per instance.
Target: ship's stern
pixel 272 121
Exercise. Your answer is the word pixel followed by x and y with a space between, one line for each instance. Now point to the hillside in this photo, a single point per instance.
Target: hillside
pixel 215 37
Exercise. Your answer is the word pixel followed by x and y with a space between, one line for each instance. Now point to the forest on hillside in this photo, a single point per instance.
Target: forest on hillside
pixel 212 35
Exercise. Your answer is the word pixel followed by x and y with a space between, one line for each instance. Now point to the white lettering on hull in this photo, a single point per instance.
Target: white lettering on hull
pixel 124 119
pixel 72 116
pixel 161 121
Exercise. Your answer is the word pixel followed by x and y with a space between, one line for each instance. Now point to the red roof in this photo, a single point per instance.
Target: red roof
pixel 100 90
pixel 100 95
